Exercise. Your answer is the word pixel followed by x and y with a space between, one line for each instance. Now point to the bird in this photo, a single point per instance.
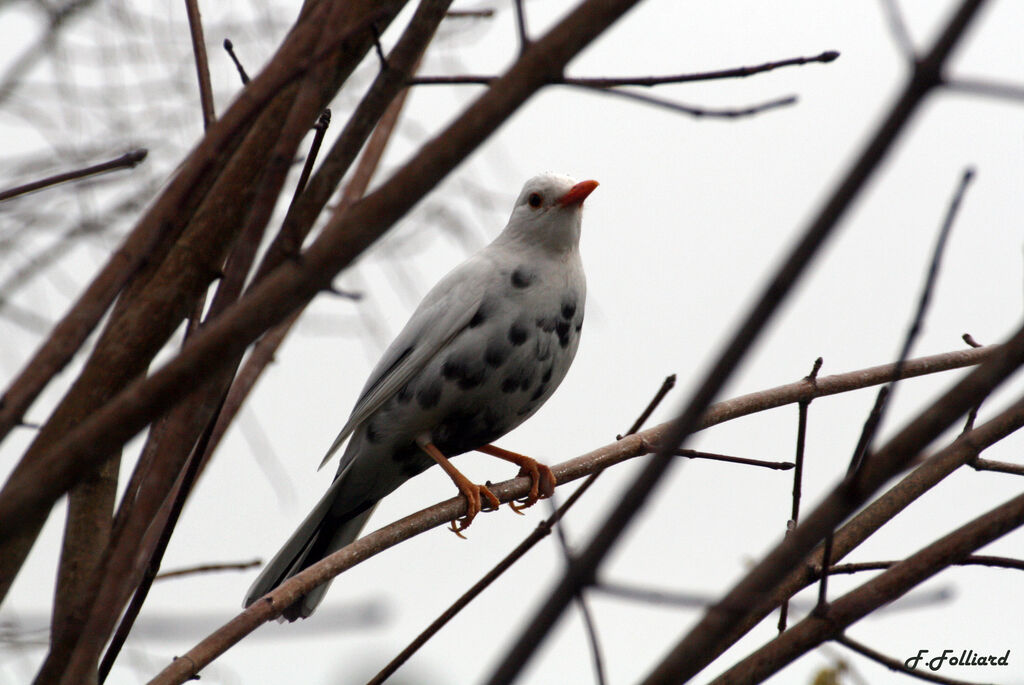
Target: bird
pixel 485 348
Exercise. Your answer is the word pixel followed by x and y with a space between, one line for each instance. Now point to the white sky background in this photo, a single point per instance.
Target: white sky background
pixel 691 217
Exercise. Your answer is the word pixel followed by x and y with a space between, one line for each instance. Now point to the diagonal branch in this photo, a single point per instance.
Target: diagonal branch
pixel 593 462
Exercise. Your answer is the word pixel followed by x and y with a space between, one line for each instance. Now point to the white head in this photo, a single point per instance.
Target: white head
pixel 548 212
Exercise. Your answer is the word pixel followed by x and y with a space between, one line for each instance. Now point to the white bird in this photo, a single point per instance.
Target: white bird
pixel 484 350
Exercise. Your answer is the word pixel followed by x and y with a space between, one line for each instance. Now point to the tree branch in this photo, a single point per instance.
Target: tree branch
pixel 625 448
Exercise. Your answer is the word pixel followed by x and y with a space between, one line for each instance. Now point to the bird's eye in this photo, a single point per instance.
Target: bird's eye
pixel 534 200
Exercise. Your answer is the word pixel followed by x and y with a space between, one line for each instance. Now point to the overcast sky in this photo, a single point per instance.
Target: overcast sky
pixel 691 217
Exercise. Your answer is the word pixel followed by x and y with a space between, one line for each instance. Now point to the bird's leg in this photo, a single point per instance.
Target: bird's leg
pixel 470 490
pixel 542 481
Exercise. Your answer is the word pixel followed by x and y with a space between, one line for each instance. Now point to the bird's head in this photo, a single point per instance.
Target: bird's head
pixel 548 211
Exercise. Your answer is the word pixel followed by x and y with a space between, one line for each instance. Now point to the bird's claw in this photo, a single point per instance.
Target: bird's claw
pixel 542 484
pixel 474 505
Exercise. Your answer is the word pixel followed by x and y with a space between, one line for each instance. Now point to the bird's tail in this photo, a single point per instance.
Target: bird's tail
pixel 320 534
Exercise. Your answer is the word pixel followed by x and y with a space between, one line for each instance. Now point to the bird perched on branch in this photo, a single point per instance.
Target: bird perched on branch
pixel 484 350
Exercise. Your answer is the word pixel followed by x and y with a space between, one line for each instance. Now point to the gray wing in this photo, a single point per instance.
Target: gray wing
pixel 442 314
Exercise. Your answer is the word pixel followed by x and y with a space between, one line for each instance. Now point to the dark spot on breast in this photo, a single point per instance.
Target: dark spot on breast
pixel 405 394
pixel 451 369
pixel 563 333
pixel 472 380
pixel 579 326
pixel 466 372
pixel 517 334
pixel 541 389
pixel 429 395
pixel 496 353
pixel 522 277
pixel 461 431
pixel 568 308
pixel 546 324
pixel 547 376
pixel 519 378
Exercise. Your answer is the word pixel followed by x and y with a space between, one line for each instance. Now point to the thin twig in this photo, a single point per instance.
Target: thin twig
pixel 699 454
pixel 125 161
pixel 666 387
pixel 969 339
pixel 229 47
pixel 195 25
pixel 209 568
pixel 798 473
pixel 726 113
pixel 524 39
pixel 319 131
pixel 884 397
pixel 998 466
pixel 898 29
pixel 986 88
pixel 895 664
pixel 644 81
pixel 973 560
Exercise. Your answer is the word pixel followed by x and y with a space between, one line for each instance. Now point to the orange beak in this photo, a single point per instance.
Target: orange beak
pixel 578 193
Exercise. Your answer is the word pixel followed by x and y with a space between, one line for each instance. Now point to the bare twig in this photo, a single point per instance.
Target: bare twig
pixel 986 88
pixel 195 25
pixel 998 466
pixel 798 473
pixel 727 113
pixel 319 131
pixel 645 81
pixel 125 161
pixel 524 38
pixel 229 47
pixel 973 560
pixel 666 387
pixel 895 664
pixel 698 454
pixel 884 397
pixel 208 568
pixel 898 29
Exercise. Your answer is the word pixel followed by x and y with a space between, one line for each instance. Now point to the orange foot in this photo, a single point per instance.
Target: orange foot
pixel 473 493
pixel 542 481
